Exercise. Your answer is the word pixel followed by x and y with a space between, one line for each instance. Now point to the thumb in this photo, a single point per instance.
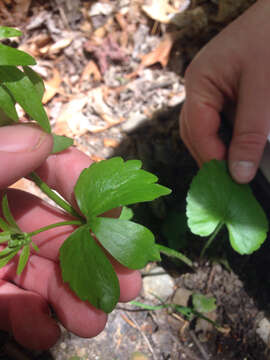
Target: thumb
pixel 23 148
pixel 250 134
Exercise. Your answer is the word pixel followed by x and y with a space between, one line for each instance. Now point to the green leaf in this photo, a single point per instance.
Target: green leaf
pixel 133 245
pixel 13 57
pixel 61 143
pixel 24 92
pixel 4 226
pixel 111 183
pixel 34 246
pixel 88 271
pixel 7 104
pixel 203 303
pixel 8 216
pixel 36 80
pixel 8 32
pixel 6 259
pixel 24 256
pixel 214 199
pixel 126 213
pixel 5 235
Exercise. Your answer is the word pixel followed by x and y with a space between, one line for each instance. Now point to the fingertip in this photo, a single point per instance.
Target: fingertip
pixel 31 323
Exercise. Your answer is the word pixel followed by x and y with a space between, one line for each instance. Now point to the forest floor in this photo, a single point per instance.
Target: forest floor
pixel 113 72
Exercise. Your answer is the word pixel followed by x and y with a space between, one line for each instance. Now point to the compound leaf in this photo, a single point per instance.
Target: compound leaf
pixel 7 104
pixel 7 32
pixel 88 271
pixel 25 93
pixel 133 245
pixel 214 198
pixel 111 183
pixel 61 143
pixel 10 56
pixel 24 256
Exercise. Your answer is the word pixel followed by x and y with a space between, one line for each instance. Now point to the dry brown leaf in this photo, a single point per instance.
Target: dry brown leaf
pixel 89 70
pixel 51 86
pixel 160 54
pixel 59 45
pixel 108 142
pixel 160 10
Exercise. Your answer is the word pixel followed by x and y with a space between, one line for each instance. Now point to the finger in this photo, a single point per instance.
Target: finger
pixel 202 122
pixel 27 316
pixel 252 127
pixel 23 148
pixel 43 277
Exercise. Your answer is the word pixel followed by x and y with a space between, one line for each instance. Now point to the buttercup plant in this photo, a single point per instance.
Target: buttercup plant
pixel 101 187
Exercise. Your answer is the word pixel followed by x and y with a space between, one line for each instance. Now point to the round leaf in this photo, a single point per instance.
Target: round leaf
pixel 215 198
pixel 88 271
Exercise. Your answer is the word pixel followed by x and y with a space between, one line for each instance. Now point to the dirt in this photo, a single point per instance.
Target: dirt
pixel 142 122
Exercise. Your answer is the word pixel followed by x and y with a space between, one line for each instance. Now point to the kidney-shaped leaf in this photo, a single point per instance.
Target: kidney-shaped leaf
pixel 88 271
pixel 214 198
pixel 11 56
pixel 133 245
pixel 25 93
pixel 111 183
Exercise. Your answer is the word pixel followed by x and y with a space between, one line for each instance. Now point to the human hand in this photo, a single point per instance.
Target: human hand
pixel 233 67
pixel 25 299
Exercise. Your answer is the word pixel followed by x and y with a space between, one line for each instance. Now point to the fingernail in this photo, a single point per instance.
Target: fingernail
pixel 21 138
pixel 243 171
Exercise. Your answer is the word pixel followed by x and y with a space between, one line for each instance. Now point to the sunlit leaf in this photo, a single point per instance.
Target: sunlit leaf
pixel 126 213
pixel 88 271
pixel 133 245
pixel 8 32
pixel 10 56
pixel 111 183
pixel 25 93
pixel 214 199
pixel 61 143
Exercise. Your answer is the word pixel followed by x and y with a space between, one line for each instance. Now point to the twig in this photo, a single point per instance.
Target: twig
pixel 199 345
pixel 143 335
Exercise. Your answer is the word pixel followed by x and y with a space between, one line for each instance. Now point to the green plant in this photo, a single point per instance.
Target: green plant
pixel 215 200
pixel 101 187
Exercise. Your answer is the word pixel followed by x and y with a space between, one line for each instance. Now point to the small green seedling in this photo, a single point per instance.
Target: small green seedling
pixel 216 200
pixel 101 187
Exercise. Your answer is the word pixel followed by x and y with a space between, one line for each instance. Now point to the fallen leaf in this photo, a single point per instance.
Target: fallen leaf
pixel 59 45
pixel 89 70
pixel 108 142
pixel 51 86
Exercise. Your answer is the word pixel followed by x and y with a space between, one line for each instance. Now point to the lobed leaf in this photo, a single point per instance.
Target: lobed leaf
pixel 61 143
pixel 7 104
pixel 88 271
pixel 111 183
pixel 133 245
pixel 215 198
pixel 7 32
pixel 13 57
pixel 24 92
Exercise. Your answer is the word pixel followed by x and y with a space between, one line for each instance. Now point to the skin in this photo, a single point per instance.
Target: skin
pixel 25 299
pixel 232 69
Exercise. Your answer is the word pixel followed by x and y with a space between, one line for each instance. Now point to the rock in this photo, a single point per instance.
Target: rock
pixel 161 285
pixel 263 330
pixel 181 297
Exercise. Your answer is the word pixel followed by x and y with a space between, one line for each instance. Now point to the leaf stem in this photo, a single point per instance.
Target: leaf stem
pixel 212 237
pixel 53 196
pixel 173 253
pixel 49 227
